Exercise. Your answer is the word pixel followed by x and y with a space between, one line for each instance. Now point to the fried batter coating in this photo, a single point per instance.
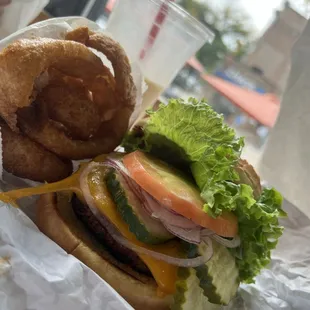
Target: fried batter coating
pixel 25 60
pixel 104 97
pixel 27 159
pixel 70 104
pixel 125 90
pixel 78 35
pixel 53 138
pixel 111 132
pixel 66 103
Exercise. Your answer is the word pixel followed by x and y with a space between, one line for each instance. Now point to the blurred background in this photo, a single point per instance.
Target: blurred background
pixel 243 72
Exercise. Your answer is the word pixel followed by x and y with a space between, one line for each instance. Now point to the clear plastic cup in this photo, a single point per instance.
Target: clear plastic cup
pixel 160 36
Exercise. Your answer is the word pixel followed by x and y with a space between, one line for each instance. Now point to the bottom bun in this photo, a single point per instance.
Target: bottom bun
pixel 57 220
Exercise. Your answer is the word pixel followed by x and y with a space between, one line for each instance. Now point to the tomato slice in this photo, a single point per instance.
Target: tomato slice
pixel 167 186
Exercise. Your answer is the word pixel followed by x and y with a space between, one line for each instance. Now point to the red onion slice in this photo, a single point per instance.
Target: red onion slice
pixel 233 243
pixel 161 212
pixel 174 223
pixel 205 232
pixel 188 235
pixel 181 262
pixel 116 163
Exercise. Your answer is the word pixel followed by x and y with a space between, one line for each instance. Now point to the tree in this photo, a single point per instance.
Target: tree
pixel 231 28
pixel 242 49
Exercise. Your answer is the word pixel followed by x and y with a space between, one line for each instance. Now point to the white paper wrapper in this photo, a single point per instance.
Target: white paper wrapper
pixel 35 273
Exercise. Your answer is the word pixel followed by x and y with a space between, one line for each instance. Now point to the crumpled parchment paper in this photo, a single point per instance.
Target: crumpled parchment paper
pixel 35 273
pixel 286 285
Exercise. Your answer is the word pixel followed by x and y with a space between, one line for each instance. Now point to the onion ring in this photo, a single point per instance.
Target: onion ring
pixel 78 35
pixel 29 58
pixel 110 132
pixel 21 156
pixel 104 97
pixel 69 103
pixel 54 138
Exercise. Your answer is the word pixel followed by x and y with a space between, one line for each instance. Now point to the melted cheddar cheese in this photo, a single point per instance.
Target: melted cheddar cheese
pixel 164 274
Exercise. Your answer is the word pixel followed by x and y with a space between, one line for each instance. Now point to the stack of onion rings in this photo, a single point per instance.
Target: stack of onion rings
pixel 57 96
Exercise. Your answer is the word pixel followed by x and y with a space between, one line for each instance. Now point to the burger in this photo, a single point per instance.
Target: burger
pixel 176 219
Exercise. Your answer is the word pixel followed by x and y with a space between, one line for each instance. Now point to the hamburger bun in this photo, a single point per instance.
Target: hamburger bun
pixel 57 220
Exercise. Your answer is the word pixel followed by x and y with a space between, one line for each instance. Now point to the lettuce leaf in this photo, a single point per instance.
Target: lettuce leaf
pixel 259 231
pixel 192 132
pixel 191 135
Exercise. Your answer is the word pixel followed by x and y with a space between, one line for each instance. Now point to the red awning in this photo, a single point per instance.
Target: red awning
pixel 194 63
pixel 110 5
pixel 263 108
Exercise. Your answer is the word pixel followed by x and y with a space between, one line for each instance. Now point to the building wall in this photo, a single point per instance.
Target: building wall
pixel 272 51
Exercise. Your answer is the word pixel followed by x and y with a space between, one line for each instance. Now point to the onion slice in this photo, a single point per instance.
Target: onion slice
pixel 233 243
pixel 116 163
pixel 169 217
pixel 228 243
pixel 188 235
pixel 180 262
pixel 115 234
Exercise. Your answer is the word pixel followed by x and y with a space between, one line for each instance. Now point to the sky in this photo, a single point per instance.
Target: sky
pixel 261 12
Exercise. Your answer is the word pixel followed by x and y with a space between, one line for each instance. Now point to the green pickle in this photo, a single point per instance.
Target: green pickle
pixel 219 277
pixel 205 287
pixel 145 228
pixel 189 295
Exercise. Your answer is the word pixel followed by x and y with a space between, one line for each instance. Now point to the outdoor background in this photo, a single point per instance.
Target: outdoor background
pixel 243 72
